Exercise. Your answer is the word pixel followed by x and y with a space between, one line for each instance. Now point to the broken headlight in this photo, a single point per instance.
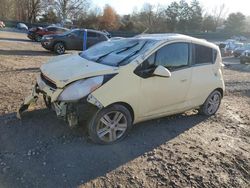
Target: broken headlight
pixel 80 88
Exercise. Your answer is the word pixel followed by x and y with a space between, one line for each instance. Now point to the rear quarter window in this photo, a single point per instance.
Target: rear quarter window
pixel 51 29
pixel 92 34
pixel 203 54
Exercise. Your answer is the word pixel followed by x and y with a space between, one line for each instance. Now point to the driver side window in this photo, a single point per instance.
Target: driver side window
pixel 173 56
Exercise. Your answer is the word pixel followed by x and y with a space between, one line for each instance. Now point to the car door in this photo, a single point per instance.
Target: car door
pixel 161 95
pixel 79 42
pixel 74 40
pixel 91 38
pixel 204 74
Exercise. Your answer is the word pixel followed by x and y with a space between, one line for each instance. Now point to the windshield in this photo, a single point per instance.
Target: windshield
pixel 117 52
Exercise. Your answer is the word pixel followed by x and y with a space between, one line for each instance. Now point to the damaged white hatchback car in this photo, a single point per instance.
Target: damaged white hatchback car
pixel 118 83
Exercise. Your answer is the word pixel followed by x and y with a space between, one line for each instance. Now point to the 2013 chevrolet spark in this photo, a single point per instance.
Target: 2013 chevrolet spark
pixel 118 83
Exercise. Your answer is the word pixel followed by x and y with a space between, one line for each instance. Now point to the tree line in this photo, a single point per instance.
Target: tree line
pixel 178 16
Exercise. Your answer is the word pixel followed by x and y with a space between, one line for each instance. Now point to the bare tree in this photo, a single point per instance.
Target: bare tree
pixel 70 8
pixel 219 14
pixel 6 9
pixel 33 9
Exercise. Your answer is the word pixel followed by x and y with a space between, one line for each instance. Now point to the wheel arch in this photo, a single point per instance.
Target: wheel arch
pixel 126 105
pixel 217 89
pixel 220 90
pixel 59 41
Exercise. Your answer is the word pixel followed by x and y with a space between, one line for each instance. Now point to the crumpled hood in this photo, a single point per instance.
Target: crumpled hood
pixel 68 68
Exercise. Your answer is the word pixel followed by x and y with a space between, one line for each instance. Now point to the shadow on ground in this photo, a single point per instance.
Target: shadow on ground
pixel 34 69
pixel 239 67
pixel 230 60
pixel 41 151
pixel 26 52
pixel 15 40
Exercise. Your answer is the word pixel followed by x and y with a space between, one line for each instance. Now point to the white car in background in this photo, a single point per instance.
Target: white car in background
pixel 2 25
pixel 118 83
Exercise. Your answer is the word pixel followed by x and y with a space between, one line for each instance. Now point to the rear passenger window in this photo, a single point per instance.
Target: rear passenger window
pixel 203 54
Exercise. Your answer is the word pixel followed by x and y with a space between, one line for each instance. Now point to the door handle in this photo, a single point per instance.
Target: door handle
pixel 183 80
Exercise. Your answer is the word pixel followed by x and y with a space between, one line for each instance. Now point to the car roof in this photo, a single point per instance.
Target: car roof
pixel 92 30
pixel 175 36
pixel 57 27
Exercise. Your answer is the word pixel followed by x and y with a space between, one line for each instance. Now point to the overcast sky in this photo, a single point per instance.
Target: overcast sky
pixel 127 6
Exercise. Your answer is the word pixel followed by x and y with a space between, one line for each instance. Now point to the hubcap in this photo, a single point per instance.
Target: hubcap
pixel 60 49
pixel 112 126
pixel 38 38
pixel 213 103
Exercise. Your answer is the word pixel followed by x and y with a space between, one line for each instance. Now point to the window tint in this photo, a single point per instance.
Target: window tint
pixel 173 56
pixel 102 37
pixel 92 34
pixel 80 34
pixel 51 29
pixel 203 54
pixel 149 62
pixel 147 68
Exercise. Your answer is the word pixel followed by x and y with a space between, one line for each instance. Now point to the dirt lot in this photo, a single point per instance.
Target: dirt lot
pixel 186 150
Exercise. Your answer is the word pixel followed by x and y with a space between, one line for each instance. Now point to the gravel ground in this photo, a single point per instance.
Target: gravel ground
pixel 186 150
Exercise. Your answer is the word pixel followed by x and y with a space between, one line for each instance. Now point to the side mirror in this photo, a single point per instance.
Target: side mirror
pixel 162 72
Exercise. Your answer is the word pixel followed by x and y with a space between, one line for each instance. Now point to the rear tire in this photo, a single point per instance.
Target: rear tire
pixel 212 104
pixel 38 38
pixel 110 125
pixel 59 48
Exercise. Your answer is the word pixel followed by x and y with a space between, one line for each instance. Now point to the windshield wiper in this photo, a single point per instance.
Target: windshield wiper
pixel 102 56
pixel 123 50
pixel 131 55
pixel 127 48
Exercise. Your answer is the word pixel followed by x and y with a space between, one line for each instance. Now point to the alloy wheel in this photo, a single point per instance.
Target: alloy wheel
pixel 213 103
pixel 112 126
pixel 60 49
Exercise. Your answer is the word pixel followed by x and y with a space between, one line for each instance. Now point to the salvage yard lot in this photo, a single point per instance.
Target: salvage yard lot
pixel 186 150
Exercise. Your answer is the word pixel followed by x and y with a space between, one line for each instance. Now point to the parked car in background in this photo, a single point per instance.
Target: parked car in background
pixel 118 83
pixel 239 38
pixel 22 26
pixel 2 25
pixel 245 57
pixel 231 46
pixel 37 33
pixel 72 40
pixel 238 51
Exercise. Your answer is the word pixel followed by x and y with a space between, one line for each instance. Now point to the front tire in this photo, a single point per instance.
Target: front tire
pixel 59 48
pixel 212 104
pixel 110 125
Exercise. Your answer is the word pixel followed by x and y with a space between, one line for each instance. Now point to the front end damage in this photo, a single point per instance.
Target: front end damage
pixel 73 112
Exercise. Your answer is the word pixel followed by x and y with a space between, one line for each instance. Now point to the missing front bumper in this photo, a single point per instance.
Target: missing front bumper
pixel 32 98
pixel 71 112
